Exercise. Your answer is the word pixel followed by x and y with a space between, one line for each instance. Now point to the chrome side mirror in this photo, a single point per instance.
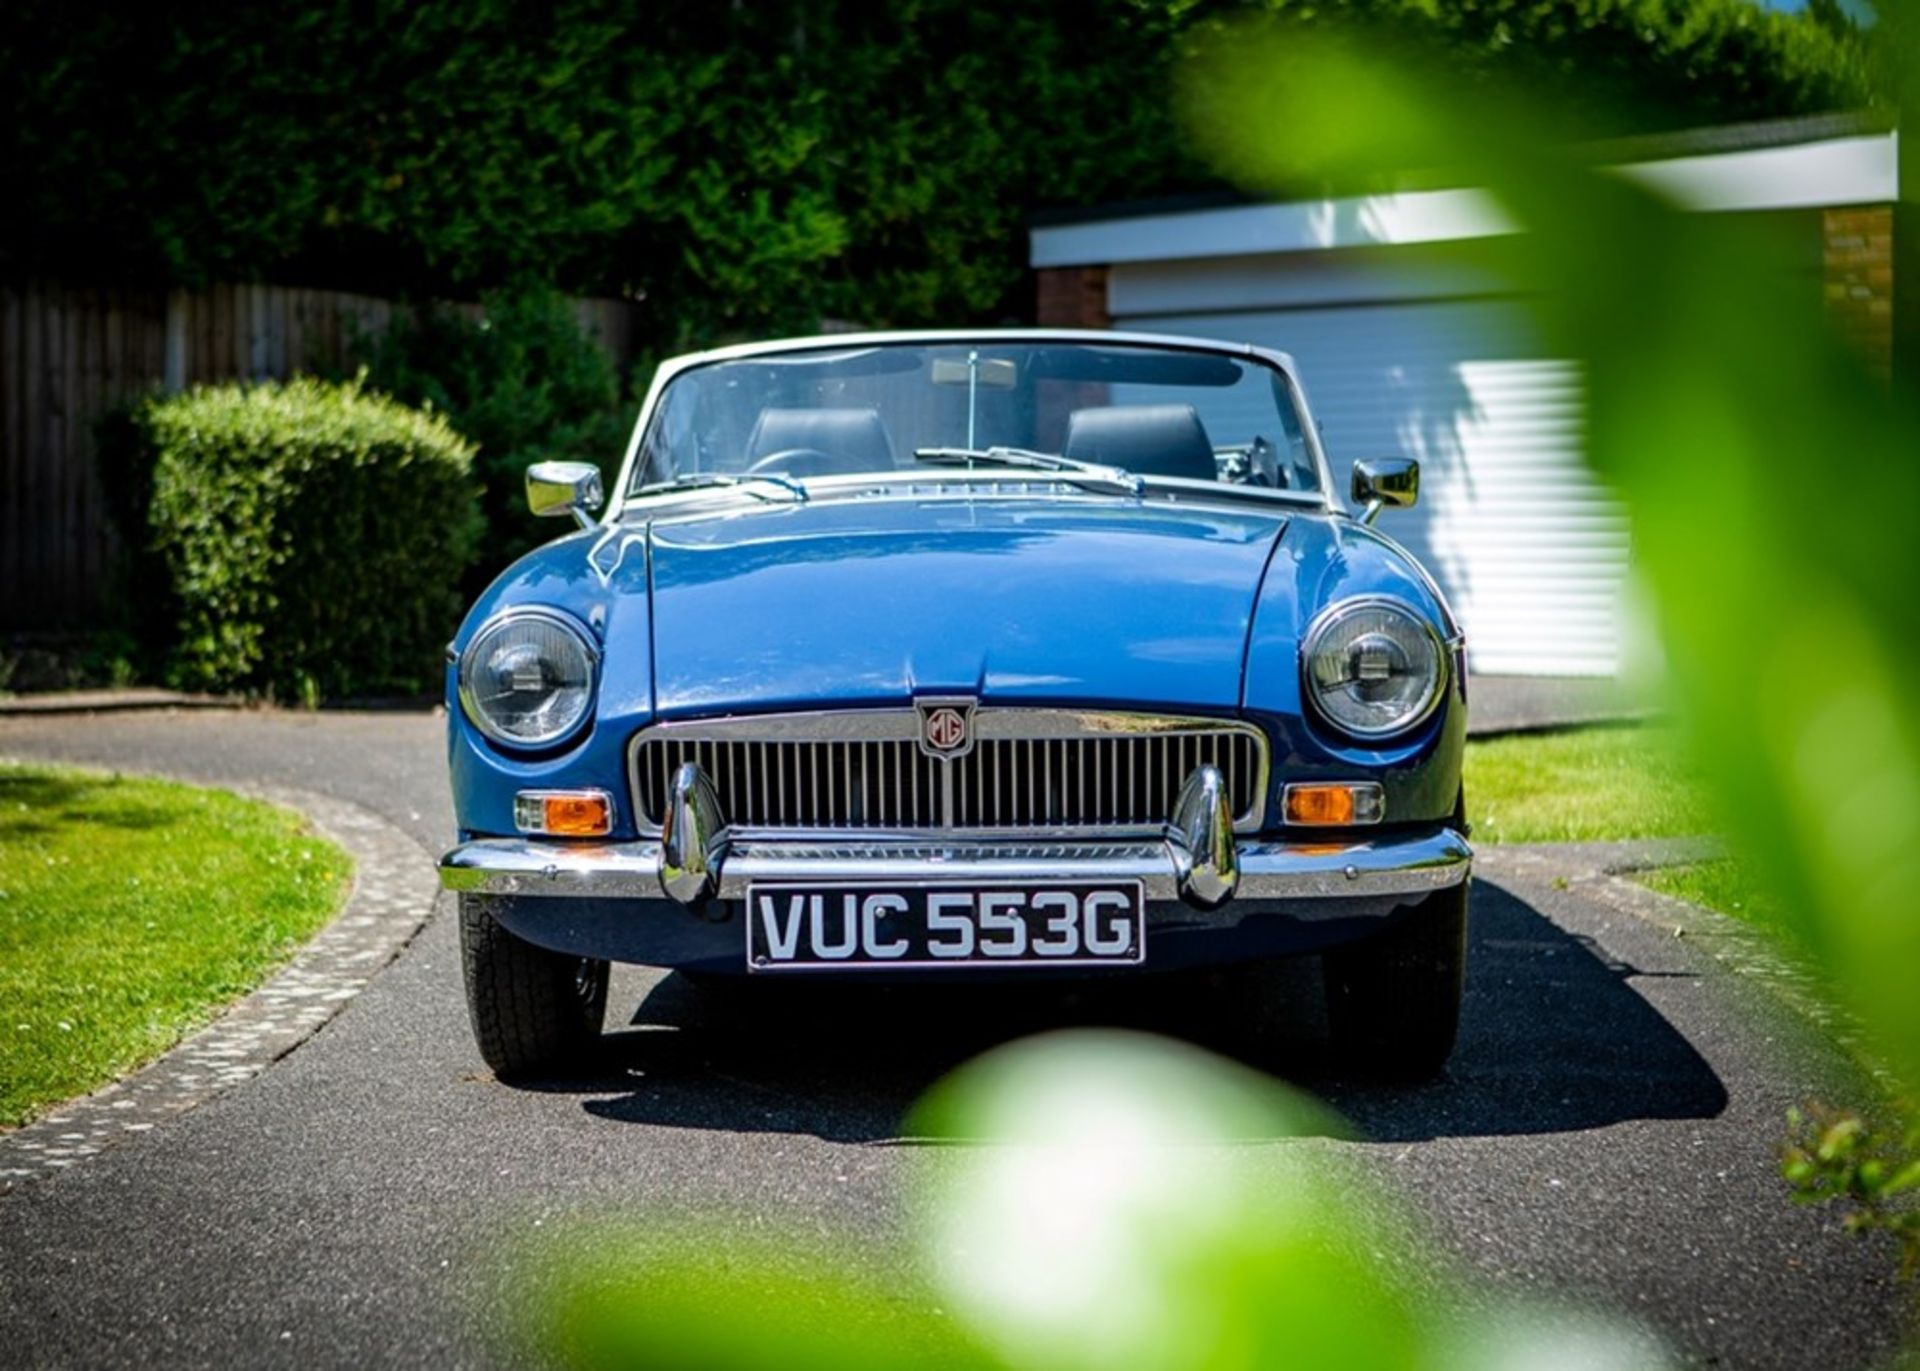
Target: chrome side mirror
pixel 557 488
pixel 1385 481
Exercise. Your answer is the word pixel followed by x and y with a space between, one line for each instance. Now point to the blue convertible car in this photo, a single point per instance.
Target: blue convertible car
pixel 963 654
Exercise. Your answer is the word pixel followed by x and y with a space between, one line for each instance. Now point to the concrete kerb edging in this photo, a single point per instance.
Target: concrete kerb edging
pixel 1573 723
pixel 139 699
pixel 394 894
pixel 1608 872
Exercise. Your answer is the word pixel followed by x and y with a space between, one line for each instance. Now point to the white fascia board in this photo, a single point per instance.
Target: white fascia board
pixel 1836 171
pixel 1428 216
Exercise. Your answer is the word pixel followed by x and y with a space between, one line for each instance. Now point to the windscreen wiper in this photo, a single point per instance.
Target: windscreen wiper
pixel 714 480
pixel 1088 474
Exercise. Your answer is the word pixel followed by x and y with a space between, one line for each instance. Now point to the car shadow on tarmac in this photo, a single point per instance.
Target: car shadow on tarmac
pixel 1553 1038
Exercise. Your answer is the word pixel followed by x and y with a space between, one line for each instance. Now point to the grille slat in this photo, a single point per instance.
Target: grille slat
pixel 1096 780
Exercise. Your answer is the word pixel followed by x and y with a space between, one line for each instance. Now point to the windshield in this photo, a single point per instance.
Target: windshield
pixel 1156 412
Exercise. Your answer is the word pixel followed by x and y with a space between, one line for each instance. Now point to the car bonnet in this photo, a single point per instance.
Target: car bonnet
pixel 1056 599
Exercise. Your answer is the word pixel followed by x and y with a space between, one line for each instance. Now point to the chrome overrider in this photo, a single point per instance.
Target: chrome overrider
pixel 1198 859
pixel 693 840
pixel 1206 858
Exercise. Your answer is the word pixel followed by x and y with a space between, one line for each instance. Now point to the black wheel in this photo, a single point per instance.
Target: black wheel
pixel 1393 1001
pixel 534 1012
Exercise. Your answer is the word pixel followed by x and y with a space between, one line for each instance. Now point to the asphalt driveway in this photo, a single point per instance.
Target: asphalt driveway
pixel 1606 1129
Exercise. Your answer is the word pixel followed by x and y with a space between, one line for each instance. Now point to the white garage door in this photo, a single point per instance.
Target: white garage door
pixel 1529 549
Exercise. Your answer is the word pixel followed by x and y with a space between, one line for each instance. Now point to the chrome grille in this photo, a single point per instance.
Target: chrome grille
pixel 787 784
pixel 1028 770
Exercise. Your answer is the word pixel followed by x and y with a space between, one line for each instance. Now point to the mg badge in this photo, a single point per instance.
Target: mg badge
pixel 946 726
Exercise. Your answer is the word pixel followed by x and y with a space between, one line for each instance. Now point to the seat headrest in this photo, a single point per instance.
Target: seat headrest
pixel 1154 440
pixel 851 439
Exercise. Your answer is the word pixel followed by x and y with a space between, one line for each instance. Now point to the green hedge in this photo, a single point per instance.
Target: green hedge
pixel 737 168
pixel 525 383
pixel 309 536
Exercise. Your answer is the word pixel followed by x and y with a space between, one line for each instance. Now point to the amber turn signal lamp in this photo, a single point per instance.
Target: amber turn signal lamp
pixel 564 813
pixel 1339 804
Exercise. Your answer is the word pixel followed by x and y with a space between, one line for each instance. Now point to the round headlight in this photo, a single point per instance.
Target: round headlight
pixel 1373 667
pixel 526 679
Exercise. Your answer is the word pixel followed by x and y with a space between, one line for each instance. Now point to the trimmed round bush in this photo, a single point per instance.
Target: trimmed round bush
pixel 312 536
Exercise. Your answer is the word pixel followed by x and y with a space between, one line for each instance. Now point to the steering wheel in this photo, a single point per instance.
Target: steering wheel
pixel 795 461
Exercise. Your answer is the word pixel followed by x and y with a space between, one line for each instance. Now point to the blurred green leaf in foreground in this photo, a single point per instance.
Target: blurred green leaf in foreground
pixel 1767 474
pixel 1080 1200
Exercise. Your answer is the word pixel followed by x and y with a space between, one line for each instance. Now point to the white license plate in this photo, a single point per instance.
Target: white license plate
pixel 798 925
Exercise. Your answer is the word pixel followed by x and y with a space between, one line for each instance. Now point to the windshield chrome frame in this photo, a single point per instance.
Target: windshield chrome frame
pixel 1280 362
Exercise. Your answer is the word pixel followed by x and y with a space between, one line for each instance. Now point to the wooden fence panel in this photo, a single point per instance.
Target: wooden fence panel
pixel 68 356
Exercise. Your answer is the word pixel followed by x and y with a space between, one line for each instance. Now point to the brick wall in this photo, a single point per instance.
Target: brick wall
pixel 1856 254
pixel 1071 297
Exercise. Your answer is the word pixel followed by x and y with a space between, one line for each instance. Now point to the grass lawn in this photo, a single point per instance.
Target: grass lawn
pixel 1601 784
pixel 1723 885
pixel 1586 785
pixel 131 911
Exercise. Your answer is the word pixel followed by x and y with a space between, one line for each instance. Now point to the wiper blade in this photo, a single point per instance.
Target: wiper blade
pixel 1081 473
pixel 1005 457
pixel 714 480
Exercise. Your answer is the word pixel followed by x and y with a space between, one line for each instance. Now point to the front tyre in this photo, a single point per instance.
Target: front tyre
pixel 1393 1000
pixel 534 1012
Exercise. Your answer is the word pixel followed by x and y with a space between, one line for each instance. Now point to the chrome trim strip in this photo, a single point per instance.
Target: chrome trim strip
pixel 892 724
pixel 989 724
pixel 1409 866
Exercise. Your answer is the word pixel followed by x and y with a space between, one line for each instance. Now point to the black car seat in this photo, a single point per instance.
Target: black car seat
pixel 1153 440
pixel 831 441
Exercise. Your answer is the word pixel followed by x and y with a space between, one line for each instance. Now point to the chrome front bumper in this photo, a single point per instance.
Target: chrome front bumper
pixel 1196 859
pixel 1398 865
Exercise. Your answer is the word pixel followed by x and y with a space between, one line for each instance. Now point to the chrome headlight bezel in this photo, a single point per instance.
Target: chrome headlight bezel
pixel 487 635
pixel 1338 613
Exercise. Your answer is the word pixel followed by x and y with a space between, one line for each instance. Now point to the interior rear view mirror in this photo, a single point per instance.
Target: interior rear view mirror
pixel 996 373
